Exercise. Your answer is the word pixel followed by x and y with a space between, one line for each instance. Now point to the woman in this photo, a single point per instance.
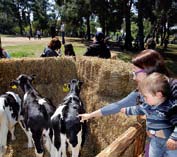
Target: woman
pixel 52 48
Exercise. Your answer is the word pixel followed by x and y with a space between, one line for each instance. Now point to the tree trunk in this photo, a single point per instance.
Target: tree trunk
pixel 30 26
pixel 88 27
pixel 140 26
pixel 19 21
pixel 128 37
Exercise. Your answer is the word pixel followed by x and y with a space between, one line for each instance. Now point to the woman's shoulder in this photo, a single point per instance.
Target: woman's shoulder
pixel 173 86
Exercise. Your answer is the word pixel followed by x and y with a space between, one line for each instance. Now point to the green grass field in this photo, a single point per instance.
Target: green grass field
pixel 22 47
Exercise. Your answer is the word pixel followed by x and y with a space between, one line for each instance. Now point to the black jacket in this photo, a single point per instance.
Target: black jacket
pixel 48 52
pixel 98 49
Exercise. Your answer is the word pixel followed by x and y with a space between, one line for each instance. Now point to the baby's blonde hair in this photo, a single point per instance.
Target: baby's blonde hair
pixel 155 82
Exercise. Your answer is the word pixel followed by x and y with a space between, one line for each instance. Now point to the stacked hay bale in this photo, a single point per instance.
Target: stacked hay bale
pixel 107 81
pixel 51 74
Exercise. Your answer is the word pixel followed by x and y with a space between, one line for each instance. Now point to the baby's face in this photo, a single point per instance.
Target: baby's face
pixel 153 99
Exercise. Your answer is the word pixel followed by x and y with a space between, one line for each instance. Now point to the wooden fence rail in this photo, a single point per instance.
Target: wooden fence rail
pixel 133 136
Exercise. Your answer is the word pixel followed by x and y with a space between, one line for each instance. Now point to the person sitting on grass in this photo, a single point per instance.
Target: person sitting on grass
pixel 52 48
pixel 98 48
pixel 69 51
pixel 3 53
pixel 160 111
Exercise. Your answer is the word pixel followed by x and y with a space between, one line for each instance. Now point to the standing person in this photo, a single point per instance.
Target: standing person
pixel 28 34
pixel 38 33
pixel 52 48
pixel 145 63
pixel 161 115
pixel 98 48
pixel 150 43
pixel 62 29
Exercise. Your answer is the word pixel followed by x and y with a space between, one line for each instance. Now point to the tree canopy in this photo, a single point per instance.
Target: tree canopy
pixel 83 16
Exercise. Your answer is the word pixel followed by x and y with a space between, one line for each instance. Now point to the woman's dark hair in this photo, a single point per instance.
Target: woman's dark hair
pixel 69 51
pixel 151 61
pixel 1 53
pixel 55 44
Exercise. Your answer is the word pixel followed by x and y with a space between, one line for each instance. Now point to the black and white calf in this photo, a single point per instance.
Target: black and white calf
pixel 66 126
pixel 10 108
pixel 36 113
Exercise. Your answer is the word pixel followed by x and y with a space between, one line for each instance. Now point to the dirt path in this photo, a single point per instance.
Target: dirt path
pixel 11 41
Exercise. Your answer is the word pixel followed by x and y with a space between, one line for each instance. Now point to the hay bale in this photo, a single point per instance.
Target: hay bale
pixel 88 68
pixel 113 79
pixel 51 74
pixel 105 81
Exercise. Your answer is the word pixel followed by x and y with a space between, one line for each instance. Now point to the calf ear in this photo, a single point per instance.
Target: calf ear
pixel 80 83
pixel 14 84
pixel 33 76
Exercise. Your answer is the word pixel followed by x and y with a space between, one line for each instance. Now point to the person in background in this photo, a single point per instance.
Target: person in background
pixel 28 35
pixel 161 123
pixel 53 48
pixel 38 33
pixel 4 53
pixel 69 51
pixel 150 43
pixel 98 48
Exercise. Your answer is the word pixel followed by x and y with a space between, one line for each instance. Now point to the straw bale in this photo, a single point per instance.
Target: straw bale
pixel 114 79
pixel 88 68
pixel 51 74
pixel 105 81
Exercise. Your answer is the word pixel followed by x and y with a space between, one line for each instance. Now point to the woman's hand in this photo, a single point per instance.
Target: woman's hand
pixel 171 144
pixel 84 117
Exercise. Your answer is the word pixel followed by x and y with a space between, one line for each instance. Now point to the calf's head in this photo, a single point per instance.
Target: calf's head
pixel 75 86
pixel 23 81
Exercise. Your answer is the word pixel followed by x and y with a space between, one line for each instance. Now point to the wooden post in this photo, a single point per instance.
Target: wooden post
pixel 116 148
pixel 0 43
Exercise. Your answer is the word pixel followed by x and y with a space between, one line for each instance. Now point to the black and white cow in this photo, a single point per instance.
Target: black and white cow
pixel 66 126
pixel 36 113
pixel 10 108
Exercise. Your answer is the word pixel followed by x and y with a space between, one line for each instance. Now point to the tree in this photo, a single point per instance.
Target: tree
pixel 40 16
pixel 128 37
pixel 75 13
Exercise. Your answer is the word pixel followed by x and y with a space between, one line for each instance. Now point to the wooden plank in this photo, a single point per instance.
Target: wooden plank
pixel 116 148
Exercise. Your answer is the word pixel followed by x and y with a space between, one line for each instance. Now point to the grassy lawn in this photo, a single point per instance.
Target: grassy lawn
pixel 24 50
pixel 22 47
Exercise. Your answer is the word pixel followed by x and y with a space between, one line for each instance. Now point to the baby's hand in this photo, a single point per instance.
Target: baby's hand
pixel 123 110
pixel 171 144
